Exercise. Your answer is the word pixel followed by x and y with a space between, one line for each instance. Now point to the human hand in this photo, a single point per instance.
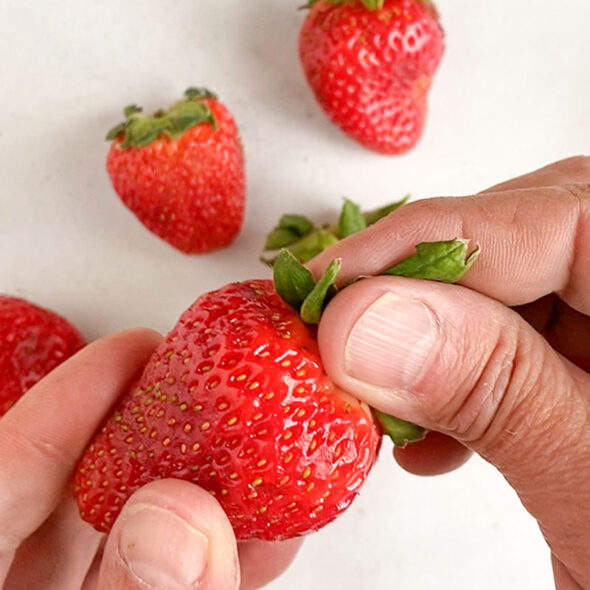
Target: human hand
pixel 170 534
pixel 459 361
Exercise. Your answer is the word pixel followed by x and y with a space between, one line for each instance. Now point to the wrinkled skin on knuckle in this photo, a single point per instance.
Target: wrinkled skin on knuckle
pixel 479 416
pixel 491 404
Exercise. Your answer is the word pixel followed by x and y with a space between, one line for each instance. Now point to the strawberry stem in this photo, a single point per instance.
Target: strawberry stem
pixel 446 262
pixel 293 281
pixel 296 285
pixel 351 220
pixel 306 240
pixel 316 300
pixel 368 4
pixel 400 431
pixel 139 129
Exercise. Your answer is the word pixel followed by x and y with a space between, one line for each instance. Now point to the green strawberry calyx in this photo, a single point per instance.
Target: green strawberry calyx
pixel 139 129
pixel 372 5
pixel 445 261
pixel 305 240
pixel 368 4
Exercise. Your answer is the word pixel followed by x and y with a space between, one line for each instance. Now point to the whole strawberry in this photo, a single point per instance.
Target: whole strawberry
pixel 33 341
pixel 370 64
pixel 236 400
pixel 181 171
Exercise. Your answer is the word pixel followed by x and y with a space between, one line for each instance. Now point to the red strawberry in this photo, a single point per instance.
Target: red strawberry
pixel 181 171
pixel 33 341
pixel 236 400
pixel 370 64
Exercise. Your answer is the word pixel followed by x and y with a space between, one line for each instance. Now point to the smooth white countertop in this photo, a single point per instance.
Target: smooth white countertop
pixel 512 94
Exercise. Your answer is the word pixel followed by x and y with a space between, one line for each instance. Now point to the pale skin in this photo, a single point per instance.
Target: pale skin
pixel 510 394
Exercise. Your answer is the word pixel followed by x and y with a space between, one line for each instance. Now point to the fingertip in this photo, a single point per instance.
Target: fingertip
pixel 263 561
pixel 435 455
pixel 170 534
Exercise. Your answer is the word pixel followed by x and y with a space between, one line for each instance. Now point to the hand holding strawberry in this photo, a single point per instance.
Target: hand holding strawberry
pixel 170 534
pixel 181 171
pixel 370 64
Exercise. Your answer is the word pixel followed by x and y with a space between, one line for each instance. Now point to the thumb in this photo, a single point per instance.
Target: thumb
pixel 171 535
pixel 455 361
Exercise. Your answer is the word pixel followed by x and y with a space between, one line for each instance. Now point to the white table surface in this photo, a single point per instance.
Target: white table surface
pixel 511 95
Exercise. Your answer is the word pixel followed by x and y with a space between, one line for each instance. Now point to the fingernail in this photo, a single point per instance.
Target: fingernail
pixel 161 549
pixel 391 342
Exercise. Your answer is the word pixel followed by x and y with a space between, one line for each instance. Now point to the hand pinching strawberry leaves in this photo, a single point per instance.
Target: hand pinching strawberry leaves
pixel 444 261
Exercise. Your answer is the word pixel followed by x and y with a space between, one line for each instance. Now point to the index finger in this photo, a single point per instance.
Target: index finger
pixel 42 437
pixel 574 169
pixel 534 241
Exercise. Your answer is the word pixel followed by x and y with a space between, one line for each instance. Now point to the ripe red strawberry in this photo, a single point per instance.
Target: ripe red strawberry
pixel 181 171
pixel 370 65
pixel 33 341
pixel 236 400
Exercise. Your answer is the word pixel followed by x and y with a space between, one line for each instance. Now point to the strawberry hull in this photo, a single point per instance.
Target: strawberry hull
pixel 236 400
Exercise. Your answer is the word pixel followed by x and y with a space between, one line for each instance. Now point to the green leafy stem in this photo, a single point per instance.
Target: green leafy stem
pixel 139 129
pixel 298 240
pixel 305 240
pixel 368 4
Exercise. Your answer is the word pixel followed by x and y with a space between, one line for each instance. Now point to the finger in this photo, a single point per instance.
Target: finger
pixel 563 579
pixel 170 535
pixel 576 169
pixel 533 242
pixel 458 362
pixel 263 561
pixel 91 579
pixel 57 555
pixel 42 437
pixel 434 455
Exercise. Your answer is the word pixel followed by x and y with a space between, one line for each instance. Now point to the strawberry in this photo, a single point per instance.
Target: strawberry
pixel 370 64
pixel 33 341
pixel 181 171
pixel 236 400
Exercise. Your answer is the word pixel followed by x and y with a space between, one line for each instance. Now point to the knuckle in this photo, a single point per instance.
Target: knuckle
pixel 580 190
pixel 487 407
pixel 576 166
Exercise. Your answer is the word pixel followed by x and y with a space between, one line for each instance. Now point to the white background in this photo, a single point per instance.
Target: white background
pixel 512 94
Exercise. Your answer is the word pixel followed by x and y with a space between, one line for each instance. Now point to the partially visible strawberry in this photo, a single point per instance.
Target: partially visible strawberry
pixel 33 341
pixel 181 171
pixel 236 400
pixel 370 64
